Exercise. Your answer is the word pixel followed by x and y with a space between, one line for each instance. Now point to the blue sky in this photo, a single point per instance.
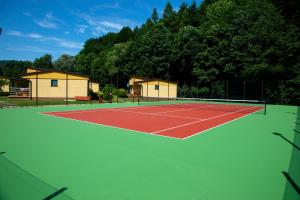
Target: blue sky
pixel 32 28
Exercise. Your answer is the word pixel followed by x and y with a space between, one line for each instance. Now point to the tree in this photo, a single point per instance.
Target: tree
pixel 44 62
pixel 65 62
pixel 154 16
pixel 124 35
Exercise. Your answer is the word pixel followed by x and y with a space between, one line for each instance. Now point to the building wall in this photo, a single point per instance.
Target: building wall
pixel 165 90
pixel 75 88
pixel 94 86
pixel 132 80
pixel 5 88
pixel 31 70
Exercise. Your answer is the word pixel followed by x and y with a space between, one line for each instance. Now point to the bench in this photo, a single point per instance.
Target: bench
pixel 82 98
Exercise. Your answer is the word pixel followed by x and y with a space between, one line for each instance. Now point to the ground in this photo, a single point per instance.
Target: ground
pixel 244 159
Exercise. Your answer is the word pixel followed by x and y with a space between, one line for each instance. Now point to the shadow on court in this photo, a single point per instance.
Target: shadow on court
pixel 293 144
pixel 292 188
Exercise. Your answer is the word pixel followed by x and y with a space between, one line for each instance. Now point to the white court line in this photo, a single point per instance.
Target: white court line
pixel 220 125
pixel 201 120
pixel 94 123
pixel 156 114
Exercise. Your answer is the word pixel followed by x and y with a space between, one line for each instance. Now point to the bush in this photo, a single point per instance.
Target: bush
pixel 93 95
pixel 106 92
pixel 4 93
pixel 122 93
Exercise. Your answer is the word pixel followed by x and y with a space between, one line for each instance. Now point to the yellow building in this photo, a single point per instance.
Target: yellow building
pixel 140 86
pixel 57 84
pixel 5 87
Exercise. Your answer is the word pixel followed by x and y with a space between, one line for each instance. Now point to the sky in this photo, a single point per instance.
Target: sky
pixel 32 28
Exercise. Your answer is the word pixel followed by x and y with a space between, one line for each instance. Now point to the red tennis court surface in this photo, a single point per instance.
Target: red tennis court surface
pixel 176 121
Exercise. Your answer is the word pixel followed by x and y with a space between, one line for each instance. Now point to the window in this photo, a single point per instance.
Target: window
pixel 54 83
pixel 156 87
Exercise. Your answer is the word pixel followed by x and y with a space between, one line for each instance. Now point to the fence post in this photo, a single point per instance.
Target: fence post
pixel 67 81
pixel 168 90
pixel 36 87
pixel 197 89
pixel 227 89
pixel 244 95
pixel 158 91
pixel 147 91
pixel 118 86
pixel 212 89
pixel 262 89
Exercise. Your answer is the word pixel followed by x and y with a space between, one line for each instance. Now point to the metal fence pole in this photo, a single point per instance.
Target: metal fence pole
pixel 67 81
pixel 147 91
pixel 212 89
pixel 168 90
pixel 36 87
pixel 118 86
pixel 227 89
pixel 262 90
pixel 158 91
pixel 244 95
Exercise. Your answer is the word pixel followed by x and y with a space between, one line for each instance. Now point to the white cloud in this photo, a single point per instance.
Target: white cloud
pixel 49 21
pixel 27 13
pixel 81 29
pixel 112 25
pixel 114 5
pixel 58 41
pixel 67 32
pixel 14 33
pixel 46 24
pixel 35 35
pixel 28 48
pixel 100 26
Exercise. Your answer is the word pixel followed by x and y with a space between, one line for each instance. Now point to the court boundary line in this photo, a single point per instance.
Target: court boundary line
pixel 94 123
pixel 187 124
pixel 151 133
pixel 157 114
pixel 220 125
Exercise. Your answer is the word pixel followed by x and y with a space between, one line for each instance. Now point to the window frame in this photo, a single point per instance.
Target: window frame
pixel 53 81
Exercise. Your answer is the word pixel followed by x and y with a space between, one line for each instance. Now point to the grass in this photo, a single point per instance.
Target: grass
pixel 243 159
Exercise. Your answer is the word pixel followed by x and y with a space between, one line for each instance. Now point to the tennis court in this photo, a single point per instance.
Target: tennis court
pixel 85 152
pixel 175 120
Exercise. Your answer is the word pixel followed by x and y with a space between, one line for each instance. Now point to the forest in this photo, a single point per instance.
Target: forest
pixel 218 40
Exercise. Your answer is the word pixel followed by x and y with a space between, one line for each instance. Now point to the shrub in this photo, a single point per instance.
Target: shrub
pixel 4 93
pixel 122 93
pixel 93 95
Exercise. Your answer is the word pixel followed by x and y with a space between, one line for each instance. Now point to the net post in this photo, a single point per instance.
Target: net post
pixel 262 89
pixel 265 104
pixel 138 100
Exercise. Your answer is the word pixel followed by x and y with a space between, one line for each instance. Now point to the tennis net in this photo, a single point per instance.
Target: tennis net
pixel 226 105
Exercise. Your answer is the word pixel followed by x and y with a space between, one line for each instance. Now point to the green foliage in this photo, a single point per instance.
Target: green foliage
pixel 107 92
pixel 65 63
pixel 154 16
pixel 44 62
pixel 122 93
pixel 4 93
pixel 217 40
pixel 13 68
pixel 93 95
